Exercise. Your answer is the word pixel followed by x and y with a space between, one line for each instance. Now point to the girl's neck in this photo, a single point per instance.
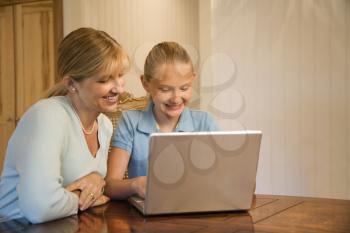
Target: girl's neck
pixel 166 124
pixel 168 127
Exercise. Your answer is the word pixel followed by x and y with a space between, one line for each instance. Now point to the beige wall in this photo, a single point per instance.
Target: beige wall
pixel 137 25
pixel 292 82
pixel 283 65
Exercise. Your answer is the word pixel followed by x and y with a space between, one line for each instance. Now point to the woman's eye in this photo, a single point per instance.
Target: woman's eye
pixel 103 80
pixel 164 89
pixel 184 88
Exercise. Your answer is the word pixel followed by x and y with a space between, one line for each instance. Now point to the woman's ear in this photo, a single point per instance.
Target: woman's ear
pixel 145 83
pixel 68 82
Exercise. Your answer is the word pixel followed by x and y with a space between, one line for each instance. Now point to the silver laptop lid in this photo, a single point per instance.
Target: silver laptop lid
pixel 201 171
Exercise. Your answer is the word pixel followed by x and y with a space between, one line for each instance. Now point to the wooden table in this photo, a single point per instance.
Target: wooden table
pixel 268 214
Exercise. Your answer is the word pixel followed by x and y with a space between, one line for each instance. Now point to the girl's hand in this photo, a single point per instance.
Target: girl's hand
pixel 91 189
pixel 139 185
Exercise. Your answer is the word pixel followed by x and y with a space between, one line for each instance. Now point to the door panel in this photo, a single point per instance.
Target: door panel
pixel 34 53
pixel 7 81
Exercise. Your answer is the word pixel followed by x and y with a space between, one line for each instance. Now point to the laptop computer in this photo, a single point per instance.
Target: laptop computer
pixel 191 172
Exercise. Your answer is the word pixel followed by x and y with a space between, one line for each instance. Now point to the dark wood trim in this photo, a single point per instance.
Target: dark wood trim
pixel 5 2
pixel 14 2
pixel 58 29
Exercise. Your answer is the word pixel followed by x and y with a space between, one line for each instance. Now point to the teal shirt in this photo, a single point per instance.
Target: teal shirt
pixel 135 127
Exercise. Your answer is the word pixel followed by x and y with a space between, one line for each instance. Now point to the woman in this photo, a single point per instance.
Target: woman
pixel 56 159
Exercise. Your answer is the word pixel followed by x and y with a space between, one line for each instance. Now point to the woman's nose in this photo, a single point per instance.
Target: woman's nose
pixel 119 85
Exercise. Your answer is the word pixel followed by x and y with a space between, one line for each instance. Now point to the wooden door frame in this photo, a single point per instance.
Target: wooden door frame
pixel 58 21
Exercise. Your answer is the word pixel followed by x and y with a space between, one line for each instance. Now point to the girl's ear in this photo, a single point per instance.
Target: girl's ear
pixel 194 76
pixel 145 83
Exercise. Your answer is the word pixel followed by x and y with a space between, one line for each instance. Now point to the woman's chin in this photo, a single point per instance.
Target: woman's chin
pixel 109 108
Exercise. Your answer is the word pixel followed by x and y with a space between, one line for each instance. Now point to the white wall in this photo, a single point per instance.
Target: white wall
pixel 137 25
pixel 291 80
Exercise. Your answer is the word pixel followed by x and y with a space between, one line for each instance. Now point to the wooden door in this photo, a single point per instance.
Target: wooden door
pixel 34 36
pixel 7 80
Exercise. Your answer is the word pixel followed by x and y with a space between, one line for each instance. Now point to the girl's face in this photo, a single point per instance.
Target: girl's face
pixel 170 89
pixel 99 93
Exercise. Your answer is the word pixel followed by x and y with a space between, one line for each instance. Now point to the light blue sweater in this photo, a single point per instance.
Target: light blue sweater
pixel 47 152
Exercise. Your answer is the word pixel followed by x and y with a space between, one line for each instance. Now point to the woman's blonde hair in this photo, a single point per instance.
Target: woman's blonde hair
pixel 85 52
pixel 164 53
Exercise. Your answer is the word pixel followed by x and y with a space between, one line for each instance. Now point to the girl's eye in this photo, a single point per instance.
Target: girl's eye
pixel 164 89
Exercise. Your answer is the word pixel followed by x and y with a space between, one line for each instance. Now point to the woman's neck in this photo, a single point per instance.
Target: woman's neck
pixel 86 117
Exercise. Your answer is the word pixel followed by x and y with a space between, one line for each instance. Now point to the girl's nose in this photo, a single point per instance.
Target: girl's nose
pixel 176 96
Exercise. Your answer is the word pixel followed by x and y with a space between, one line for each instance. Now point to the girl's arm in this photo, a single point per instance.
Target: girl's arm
pixel 117 187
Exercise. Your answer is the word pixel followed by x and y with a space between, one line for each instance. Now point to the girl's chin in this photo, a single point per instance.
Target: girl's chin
pixel 174 113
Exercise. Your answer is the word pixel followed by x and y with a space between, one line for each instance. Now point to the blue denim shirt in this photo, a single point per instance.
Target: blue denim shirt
pixel 135 127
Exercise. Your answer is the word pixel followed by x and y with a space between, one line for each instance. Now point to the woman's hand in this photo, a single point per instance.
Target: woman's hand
pixel 139 185
pixel 91 189
pixel 103 199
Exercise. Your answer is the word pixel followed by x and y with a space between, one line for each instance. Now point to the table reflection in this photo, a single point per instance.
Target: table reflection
pixel 65 225
pixel 119 216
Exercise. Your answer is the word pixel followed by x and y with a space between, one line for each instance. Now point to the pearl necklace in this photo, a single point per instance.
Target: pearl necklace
pixel 85 131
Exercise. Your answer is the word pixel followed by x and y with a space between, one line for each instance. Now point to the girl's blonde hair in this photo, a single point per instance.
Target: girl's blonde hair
pixel 164 53
pixel 85 52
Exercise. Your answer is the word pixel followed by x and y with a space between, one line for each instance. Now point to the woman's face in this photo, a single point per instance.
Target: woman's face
pixel 171 89
pixel 99 93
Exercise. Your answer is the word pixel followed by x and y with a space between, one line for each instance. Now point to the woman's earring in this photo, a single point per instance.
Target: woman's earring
pixel 73 89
